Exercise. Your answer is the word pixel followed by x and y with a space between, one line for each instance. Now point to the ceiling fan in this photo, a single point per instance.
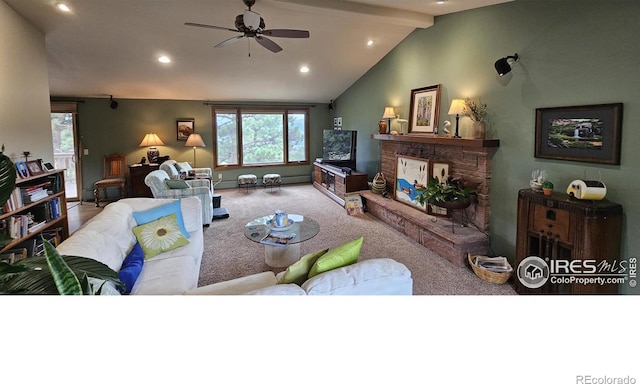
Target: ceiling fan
pixel 251 25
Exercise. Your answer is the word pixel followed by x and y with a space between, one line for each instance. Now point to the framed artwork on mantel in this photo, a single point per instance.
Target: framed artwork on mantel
pixel 425 109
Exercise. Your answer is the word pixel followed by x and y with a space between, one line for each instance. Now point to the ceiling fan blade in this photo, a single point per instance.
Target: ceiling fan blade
pixel 294 33
pixel 229 41
pixel 269 44
pixel 210 26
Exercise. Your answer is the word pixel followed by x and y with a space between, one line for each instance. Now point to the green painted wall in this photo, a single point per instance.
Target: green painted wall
pixel 572 53
pixel 103 130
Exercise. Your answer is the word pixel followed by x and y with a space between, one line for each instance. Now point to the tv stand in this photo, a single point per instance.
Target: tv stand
pixel 335 183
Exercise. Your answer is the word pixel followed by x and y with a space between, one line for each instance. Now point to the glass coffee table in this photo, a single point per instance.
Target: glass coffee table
pixel 303 227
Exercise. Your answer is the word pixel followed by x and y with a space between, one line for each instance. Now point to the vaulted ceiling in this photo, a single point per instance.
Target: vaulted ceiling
pixel 102 48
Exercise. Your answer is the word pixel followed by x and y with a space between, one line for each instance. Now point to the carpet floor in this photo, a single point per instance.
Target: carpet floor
pixel 228 254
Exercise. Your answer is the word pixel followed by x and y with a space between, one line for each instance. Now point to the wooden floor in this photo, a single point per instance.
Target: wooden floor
pixel 78 214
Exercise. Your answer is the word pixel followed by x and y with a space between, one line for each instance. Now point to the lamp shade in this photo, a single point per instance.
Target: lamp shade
pixel 389 113
pixel 151 140
pixel 457 107
pixel 502 65
pixel 194 140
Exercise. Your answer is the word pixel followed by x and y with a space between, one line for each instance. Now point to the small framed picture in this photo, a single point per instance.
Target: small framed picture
pixel 23 170
pixel 48 167
pixel 185 127
pixel 34 167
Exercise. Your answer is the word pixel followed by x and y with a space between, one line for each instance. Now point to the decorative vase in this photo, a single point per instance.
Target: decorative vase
pixel 479 129
pixel 382 126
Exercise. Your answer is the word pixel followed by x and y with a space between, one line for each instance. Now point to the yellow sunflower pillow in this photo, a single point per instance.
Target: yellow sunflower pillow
pixel 160 235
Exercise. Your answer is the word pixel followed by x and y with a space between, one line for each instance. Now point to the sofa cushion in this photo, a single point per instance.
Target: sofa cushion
pixel 368 277
pixel 159 236
pixel 143 217
pixel 176 184
pixel 297 272
pixel 340 256
pixel 131 268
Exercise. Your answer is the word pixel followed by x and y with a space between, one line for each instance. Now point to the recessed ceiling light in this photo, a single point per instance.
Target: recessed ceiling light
pixel 304 69
pixel 164 59
pixel 370 42
pixel 63 7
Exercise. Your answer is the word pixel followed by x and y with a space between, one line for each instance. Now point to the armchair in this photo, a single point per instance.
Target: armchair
pixel 173 169
pixel 155 180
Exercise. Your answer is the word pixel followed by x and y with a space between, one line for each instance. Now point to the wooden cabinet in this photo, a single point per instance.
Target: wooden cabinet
pixel 574 238
pixel 37 207
pixel 137 173
pixel 336 184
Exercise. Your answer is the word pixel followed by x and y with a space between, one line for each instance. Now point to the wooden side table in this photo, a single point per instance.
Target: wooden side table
pixel 137 173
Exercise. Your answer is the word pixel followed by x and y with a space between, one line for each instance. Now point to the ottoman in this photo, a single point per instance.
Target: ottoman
pixel 248 180
pixel 271 179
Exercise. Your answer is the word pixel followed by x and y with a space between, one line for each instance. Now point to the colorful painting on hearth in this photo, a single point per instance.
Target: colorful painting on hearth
pixel 412 174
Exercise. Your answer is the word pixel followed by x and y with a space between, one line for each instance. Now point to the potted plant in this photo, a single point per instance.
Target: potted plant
pixel 54 274
pixel 450 194
pixel 547 187
pixel 477 111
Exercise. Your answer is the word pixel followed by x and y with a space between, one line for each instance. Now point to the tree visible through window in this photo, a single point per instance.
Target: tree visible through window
pixel 260 136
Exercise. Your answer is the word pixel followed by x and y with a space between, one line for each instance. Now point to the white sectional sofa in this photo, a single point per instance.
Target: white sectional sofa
pixel 108 238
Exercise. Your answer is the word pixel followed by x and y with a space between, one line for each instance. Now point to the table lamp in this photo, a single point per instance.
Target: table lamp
pixel 151 140
pixel 194 140
pixel 389 114
pixel 457 108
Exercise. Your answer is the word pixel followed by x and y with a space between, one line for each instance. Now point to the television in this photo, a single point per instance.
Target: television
pixel 339 148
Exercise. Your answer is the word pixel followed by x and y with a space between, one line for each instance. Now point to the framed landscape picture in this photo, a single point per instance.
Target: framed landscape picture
pixel 412 174
pixel 185 127
pixel 589 133
pixel 440 171
pixel 425 109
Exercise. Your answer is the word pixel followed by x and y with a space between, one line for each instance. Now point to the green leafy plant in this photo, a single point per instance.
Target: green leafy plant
pixel 7 177
pixel 440 192
pixel 54 274
pixel 547 184
pixel 476 110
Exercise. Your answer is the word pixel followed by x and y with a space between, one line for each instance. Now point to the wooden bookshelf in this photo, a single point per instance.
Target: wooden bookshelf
pixel 56 191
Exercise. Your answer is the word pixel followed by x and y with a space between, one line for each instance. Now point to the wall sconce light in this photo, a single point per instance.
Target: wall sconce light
pixel 502 65
pixel 194 140
pixel 457 108
pixel 151 140
pixel 389 114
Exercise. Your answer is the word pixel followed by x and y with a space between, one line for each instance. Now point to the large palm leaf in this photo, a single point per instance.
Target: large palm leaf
pixel 32 276
pixel 7 177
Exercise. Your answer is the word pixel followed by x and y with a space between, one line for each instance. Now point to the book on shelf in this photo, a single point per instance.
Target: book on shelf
pixel 278 239
pixel 13 255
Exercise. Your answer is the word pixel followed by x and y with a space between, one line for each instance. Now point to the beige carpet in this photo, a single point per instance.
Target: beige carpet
pixel 229 254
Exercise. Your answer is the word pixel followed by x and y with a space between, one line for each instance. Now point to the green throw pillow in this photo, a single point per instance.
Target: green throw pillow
pixel 340 256
pixel 176 184
pixel 159 236
pixel 297 272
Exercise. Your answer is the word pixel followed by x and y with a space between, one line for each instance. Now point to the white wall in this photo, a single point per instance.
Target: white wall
pixel 25 122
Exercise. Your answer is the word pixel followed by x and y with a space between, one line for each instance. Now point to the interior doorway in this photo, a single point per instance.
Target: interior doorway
pixel 65 146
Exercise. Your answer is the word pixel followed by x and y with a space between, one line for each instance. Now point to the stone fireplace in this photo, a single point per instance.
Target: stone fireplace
pixel 470 159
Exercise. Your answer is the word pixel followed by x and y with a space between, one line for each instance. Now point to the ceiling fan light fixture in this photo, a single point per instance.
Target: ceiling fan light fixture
pixel 251 20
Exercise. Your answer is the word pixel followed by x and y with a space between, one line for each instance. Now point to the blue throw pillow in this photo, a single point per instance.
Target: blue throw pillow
pixel 131 268
pixel 153 214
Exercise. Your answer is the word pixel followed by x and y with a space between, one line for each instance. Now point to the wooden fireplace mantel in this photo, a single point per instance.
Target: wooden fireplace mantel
pixel 428 139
